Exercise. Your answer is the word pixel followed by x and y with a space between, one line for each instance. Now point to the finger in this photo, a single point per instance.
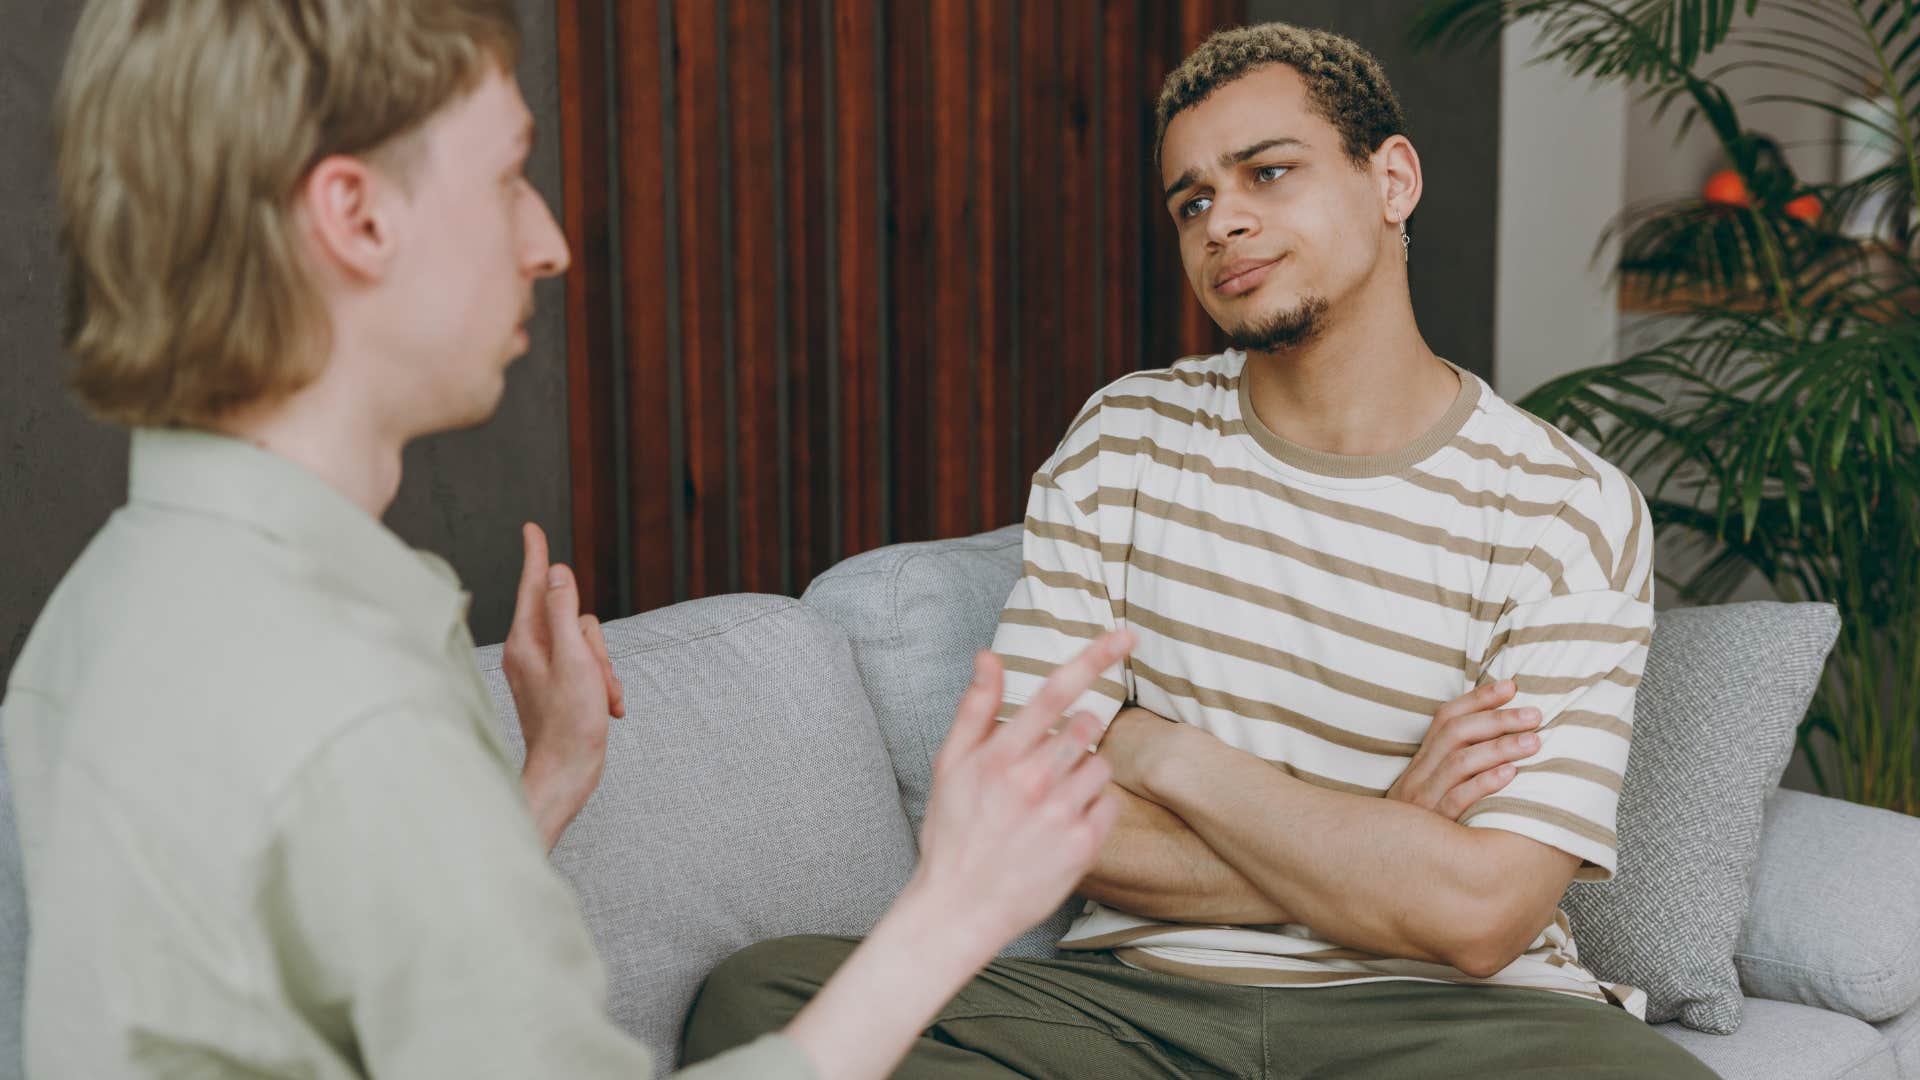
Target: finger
pixel 1063 688
pixel 973 718
pixel 597 644
pixel 1471 761
pixel 1463 796
pixel 562 605
pixel 1073 741
pixel 1479 699
pixel 1487 726
pixel 1084 782
pixel 533 584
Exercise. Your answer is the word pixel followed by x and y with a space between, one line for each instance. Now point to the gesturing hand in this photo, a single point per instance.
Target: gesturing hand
pixel 563 686
pixel 1468 752
pixel 1016 817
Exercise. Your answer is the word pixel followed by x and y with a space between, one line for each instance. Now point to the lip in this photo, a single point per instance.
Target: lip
pixel 1243 275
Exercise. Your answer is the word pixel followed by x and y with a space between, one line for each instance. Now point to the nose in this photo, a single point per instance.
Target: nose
pixel 1229 220
pixel 546 250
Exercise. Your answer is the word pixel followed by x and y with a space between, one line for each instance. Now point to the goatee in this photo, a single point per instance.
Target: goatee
pixel 1282 330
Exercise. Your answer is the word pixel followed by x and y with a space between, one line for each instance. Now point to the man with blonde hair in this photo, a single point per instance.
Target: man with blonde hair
pixel 267 825
pixel 1338 853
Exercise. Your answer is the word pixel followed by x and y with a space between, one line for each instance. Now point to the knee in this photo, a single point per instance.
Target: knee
pixel 757 990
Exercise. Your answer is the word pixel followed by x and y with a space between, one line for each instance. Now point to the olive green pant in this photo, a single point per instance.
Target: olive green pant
pixel 1097 1018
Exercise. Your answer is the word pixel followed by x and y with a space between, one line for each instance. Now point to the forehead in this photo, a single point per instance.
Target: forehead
pixel 1268 102
pixel 489 119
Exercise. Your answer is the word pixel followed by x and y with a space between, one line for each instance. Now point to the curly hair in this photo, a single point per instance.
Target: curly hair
pixel 1344 81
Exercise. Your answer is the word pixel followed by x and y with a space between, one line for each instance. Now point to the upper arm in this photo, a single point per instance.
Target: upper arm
pixel 1066 595
pixel 1575 647
pixel 412 907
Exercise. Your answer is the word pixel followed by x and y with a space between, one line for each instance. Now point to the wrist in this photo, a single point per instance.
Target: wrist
pixel 946 935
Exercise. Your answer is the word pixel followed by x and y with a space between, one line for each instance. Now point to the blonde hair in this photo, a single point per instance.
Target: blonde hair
pixel 183 129
pixel 1344 81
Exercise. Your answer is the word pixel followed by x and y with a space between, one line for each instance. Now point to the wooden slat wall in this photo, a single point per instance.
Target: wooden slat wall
pixel 845 269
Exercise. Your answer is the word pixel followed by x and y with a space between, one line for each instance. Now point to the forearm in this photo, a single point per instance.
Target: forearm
pixel 1369 873
pixel 1154 865
pixel 867 1016
pixel 553 798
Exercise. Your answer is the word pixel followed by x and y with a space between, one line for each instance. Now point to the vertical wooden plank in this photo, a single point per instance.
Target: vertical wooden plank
pixel 999 494
pixel 699 92
pixel 1080 367
pixel 954 354
pixel 1125 171
pixel 910 156
pixel 1041 248
pixel 755 188
pixel 809 276
pixel 579 27
pixel 646 211
pixel 858 259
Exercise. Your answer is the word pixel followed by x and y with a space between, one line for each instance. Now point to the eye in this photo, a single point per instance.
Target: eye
pixel 1195 207
pixel 1267 174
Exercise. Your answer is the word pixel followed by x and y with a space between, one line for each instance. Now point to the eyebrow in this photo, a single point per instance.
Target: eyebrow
pixel 1192 176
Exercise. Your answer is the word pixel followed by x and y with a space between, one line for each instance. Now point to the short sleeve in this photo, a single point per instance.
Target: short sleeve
pixel 1576 648
pixel 1066 595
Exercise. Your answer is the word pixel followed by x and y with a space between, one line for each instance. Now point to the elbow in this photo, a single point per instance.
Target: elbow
pixel 1483 955
pixel 1486 942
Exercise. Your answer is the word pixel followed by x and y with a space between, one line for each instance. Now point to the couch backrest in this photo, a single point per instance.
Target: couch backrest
pixel 746 796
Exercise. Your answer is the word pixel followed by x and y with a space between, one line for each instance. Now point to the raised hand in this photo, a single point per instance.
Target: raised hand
pixel 1469 751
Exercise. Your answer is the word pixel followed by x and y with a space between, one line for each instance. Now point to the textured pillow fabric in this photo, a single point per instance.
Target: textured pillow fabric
pixel 746 796
pixel 1835 920
pixel 916 614
pixel 1714 723
pixel 13 932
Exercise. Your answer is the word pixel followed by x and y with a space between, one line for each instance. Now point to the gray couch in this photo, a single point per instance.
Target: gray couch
pixel 770 775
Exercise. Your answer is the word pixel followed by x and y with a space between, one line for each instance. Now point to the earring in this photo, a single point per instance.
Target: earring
pixel 1406 244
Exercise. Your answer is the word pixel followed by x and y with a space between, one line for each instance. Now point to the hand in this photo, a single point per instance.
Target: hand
pixel 1468 752
pixel 1135 740
pixel 1016 816
pixel 563 687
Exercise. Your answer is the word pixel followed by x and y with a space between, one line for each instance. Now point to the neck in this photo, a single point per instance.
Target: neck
pixel 1368 384
pixel 330 434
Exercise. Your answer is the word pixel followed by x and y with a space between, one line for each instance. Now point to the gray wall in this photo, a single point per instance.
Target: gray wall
pixel 1453 109
pixel 61 474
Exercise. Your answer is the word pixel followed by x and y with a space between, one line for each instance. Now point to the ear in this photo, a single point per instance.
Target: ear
pixel 1396 168
pixel 348 207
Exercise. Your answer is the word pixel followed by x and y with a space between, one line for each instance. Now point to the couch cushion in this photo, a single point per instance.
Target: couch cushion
pixel 13 932
pixel 1724 691
pixel 746 796
pixel 1903 1032
pixel 1835 918
pixel 1783 1041
pixel 917 613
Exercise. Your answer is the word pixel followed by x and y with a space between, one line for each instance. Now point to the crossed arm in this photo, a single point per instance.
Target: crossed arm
pixel 1210 834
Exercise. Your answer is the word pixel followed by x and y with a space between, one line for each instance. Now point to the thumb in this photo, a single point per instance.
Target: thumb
pixel 563 611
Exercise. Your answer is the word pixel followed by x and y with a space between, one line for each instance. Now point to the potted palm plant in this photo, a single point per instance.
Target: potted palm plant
pixel 1775 430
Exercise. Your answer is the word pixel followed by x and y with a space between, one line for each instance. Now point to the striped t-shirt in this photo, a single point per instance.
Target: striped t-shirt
pixel 1317 609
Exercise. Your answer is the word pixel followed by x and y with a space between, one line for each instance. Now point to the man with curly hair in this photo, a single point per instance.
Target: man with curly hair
pixel 1390 629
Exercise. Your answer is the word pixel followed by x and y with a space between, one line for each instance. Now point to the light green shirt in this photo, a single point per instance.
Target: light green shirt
pixel 268 825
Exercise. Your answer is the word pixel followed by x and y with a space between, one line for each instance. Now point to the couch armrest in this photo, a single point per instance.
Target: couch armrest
pixel 1835 915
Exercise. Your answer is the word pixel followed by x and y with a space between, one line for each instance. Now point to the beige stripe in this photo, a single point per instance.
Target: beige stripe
pixel 1049 530
pixel 1074 461
pixel 1546 815
pixel 1176 413
pixel 1506 504
pixel 1361 517
pixel 1361 573
pixel 1281 660
pixel 1047 620
pixel 1604 633
pixel 1588 719
pixel 1061 579
pixel 1630 553
pixel 1583 770
pixel 1190 377
pixel 1286 604
pixel 1505 460
pixel 1558 684
pixel 1174 686
pixel 1106 688
pixel 1239 976
pixel 1561 443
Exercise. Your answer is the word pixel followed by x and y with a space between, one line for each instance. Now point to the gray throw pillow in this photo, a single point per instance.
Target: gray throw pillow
pixel 1714 723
